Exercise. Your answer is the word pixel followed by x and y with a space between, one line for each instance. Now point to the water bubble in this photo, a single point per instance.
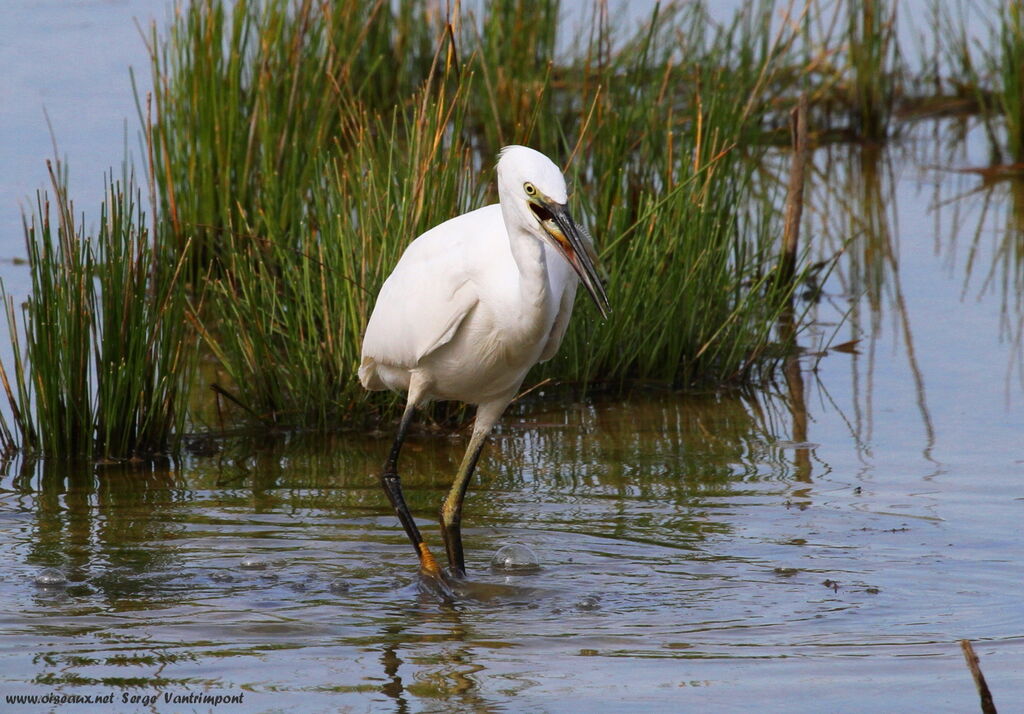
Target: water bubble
pixel 220 577
pixel 589 603
pixel 515 558
pixel 50 578
pixel 339 587
pixel 253 564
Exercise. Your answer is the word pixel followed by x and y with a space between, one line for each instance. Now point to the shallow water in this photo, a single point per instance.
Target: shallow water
pixel 819 545
pixel 685 562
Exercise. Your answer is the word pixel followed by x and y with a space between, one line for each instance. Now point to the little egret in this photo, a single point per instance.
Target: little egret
pixel 470 307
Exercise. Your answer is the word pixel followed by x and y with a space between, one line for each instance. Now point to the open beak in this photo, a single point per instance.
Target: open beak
pixel 573 243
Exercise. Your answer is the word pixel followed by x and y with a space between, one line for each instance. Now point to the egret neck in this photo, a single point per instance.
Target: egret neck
pixel 530 257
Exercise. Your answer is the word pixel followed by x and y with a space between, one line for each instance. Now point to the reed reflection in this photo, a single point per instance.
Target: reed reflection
pixel 859 180
pixel 113 530
pixel 646 466
pixel 978 213
pixel 629 465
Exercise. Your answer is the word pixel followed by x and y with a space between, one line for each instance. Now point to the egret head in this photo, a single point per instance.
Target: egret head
pixel 533 190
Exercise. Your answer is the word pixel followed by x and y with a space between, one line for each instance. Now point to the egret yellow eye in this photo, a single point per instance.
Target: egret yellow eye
pixel 530 189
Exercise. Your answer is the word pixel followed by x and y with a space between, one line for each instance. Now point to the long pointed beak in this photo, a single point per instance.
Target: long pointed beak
pixel 573 243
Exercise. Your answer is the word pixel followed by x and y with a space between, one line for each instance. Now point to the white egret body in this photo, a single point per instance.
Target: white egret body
pixel 470 307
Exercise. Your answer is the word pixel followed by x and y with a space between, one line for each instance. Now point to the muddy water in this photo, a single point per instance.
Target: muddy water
pixel 819 545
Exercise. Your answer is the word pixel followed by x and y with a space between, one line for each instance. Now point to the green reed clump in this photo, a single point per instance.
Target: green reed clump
pixel 873 59
pixel 51 404
pixel 295 148
pixel 102 363
pixel 291 309
pixel 990 68
pixel 245 103
pixel 665 167
pixel 1008 68
pixel 657 130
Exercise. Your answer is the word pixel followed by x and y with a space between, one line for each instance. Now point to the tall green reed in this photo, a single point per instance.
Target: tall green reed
pixel 291 310
pixel 245 102
pixel 873 65
pixel 101 363
pixel 657 136
pixel 295 148
pixel 52 404
pixel 991 68
pixel 663 140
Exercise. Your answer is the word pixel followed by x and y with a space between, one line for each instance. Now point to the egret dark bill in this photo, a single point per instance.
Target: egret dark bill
pixel 570 240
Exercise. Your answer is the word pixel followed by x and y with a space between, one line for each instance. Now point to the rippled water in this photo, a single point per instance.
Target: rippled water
pixel 819 545
pixel 686 562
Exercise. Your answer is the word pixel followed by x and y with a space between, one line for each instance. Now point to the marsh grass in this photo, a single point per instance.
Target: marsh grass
pixel 245 104
pixel 102 352
pixel 294 148
pixel 660 176
pixel 1007 65
pixel 873 57
pixel 291 312
pixel 990 69
pixel 670 177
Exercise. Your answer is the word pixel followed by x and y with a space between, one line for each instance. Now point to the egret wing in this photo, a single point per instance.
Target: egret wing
pixel 420 307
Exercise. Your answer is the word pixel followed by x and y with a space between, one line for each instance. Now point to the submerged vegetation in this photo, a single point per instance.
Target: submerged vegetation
pixel 293 148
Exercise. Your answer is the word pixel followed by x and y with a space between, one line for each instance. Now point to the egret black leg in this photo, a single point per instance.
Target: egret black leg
pixel 392 484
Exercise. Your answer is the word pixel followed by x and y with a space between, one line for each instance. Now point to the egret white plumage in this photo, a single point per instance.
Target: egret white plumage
pixel 470 307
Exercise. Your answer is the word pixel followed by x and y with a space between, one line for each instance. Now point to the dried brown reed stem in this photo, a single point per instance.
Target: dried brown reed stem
pixel 795 195
pixel 987 705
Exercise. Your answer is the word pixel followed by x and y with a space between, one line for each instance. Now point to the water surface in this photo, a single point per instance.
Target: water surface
pixel 818 545
pixel 688 560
